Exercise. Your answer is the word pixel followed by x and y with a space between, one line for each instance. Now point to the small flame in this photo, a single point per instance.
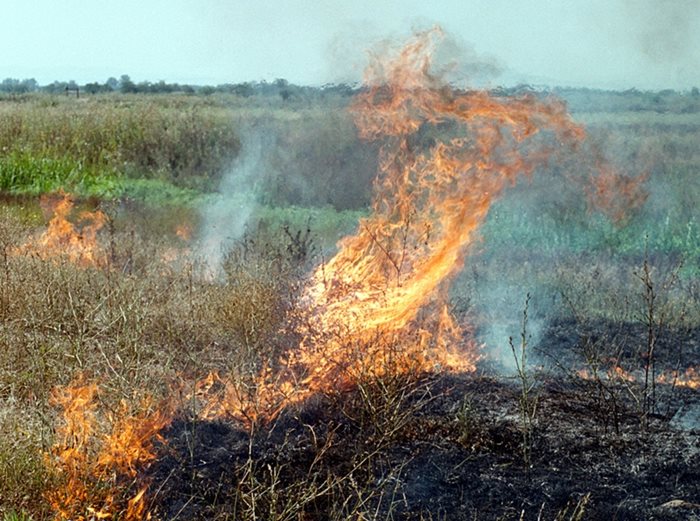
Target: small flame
pixel 65 239
pixel 184 232
pixel 71 451
pixel 257 400
pixel 689 378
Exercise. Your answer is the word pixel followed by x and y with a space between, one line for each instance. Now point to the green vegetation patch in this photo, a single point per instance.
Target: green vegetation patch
pixel 22 173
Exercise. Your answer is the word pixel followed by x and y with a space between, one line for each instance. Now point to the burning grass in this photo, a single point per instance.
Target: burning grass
pixel 239 443
pixel 63 238
pixel 293 388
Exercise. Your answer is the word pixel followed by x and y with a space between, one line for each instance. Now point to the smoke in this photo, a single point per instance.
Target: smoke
pixel 225 217
pixel 455 62
pixel 664 28
pixel 506 278
pixel 459 64
pixel 345 53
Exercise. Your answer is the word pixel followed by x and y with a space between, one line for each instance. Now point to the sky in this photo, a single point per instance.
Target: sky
pixel 618 44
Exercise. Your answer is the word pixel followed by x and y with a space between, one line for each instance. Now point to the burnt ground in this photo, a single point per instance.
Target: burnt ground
pixel 447 447
pixel 567 343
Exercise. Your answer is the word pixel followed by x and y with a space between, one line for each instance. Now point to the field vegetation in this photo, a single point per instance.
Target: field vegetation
pixel 603 317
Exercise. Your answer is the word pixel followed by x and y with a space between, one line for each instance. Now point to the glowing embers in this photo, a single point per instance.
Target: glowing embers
pixel 68 237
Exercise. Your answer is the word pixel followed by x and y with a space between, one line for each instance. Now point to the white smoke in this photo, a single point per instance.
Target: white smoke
pixel 225 217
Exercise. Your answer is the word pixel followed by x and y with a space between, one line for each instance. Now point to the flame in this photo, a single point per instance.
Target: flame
pixel 249 401
pixel 380 305
pixel 63 238
pixel 184 232
pixel 71 451
pixel 620 374
pixel 689 378
pixel 428 205
pixel 92 460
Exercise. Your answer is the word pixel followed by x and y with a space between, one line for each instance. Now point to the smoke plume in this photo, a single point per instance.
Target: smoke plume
pixel 225 217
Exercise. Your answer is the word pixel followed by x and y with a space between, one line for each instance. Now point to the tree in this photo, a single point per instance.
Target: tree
pixel 126 85
pixel 112 84
pixel 93 88
pixel 15 86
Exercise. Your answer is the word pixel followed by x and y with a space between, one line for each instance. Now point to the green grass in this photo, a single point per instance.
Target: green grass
pixel 182 140
pixel 552 235
pixel 26 174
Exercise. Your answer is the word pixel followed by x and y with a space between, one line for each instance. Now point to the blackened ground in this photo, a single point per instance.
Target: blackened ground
pixel 568 343
pixel 445 447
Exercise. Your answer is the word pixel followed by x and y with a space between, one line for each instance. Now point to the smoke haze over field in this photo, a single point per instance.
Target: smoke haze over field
pixel 598 43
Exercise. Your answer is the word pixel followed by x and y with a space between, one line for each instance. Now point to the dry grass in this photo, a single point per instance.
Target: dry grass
pixel 140 324
pixel 134 326
pixel 185 141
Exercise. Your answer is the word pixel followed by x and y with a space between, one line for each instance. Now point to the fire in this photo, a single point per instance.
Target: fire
pixel 184 232
pixel 250 401
pixel 689 378
pixel 387 285
pixel 71 452
pixel 63 238
pixel 380 305
pixel 94 456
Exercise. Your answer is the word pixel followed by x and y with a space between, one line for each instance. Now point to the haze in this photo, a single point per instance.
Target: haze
pixel 620 44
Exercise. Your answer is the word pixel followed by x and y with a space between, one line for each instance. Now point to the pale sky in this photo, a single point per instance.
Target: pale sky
pixel 647 44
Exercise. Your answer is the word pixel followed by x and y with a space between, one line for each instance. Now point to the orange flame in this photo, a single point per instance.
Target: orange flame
pixel 184 232
pixel 689 378
pixel 71 451
pixel 428 204
pixel 63 238
pixel 380 305
pixel 89 459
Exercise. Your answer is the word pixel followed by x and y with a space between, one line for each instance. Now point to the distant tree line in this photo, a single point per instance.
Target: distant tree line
pixel 125 85
pixel 578 98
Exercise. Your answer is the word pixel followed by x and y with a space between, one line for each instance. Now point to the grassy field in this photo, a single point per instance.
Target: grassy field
pixel 146 324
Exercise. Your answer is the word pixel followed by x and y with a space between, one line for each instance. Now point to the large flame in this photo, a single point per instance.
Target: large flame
pixel 446 156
